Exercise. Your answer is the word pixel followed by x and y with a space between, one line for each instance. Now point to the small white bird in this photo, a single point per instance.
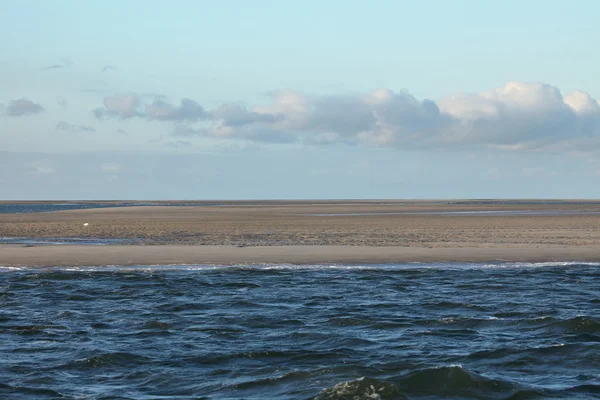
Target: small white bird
pixel 86 224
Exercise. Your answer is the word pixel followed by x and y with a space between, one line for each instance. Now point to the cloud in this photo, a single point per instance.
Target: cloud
pixel 110 167
pixel 188 110
pixel 178 143
pixel 64 64
pixel 120 106
pixel 132 105
pixel 66 127
pixel 21 107
pixel 62 102
pixel 54 66
pixel 109 68
pixel 41 167
pixel 376 117
pixel 517 116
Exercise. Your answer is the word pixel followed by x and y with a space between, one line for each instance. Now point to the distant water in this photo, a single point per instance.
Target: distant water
pixel 416 331
pixel 481 213
pixel 27 241
pixel 22 208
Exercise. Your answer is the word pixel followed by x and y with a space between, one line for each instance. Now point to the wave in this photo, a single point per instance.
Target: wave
pixel 361 388
pixel 414 266
pixel 31 392
pixel 579 324
pixel 105 360
pixel 451 381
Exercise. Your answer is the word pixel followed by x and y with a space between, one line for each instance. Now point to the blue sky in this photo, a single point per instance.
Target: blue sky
pixel 290 99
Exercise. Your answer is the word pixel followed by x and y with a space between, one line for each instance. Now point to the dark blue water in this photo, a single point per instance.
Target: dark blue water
pixel 22 208
pixel 518 331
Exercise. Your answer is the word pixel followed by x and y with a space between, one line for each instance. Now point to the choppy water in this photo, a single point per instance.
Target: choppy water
pixel 516 331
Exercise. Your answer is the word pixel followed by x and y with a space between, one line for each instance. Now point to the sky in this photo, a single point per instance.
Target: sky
pixel 192 99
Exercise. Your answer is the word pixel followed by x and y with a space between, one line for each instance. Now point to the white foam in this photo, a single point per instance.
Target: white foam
pixel 308 267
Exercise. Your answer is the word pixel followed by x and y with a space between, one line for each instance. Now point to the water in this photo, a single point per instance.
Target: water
pixel 481 213
pixel 24 208
pixel 27 241
pixel 417 331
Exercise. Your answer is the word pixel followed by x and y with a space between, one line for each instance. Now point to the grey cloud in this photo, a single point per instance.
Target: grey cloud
pixel 234 115
pixel 517 116
pixel 187 110
pixel 65 127
pixel 293 116
pixel 62 102
pixel 21 107
pixel 132 105
pixel 65 63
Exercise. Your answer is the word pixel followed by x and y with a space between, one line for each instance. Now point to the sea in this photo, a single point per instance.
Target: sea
pixel 277 331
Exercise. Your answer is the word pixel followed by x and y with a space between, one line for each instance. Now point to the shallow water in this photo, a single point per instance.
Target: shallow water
pixel 27 241
pixel 481 213
pixel 417 331
pixel 26 208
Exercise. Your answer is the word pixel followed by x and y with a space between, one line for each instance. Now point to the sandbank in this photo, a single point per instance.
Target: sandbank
pixel 75 255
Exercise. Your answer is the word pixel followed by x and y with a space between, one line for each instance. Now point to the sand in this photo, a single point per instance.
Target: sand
pixel 46 256
pixel 306 232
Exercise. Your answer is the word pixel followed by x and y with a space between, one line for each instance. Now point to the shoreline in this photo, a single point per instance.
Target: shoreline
pixel 127 255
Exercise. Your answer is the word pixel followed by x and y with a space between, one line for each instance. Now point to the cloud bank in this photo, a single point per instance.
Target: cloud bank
pixel 517 116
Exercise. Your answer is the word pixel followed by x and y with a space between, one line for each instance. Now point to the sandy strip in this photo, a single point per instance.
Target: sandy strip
pixel 68 255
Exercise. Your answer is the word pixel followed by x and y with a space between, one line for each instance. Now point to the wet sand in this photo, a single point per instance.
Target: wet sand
pixel 47 256
pixel 313 232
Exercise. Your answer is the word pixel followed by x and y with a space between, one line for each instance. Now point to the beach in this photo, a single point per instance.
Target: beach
pixel 304 232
